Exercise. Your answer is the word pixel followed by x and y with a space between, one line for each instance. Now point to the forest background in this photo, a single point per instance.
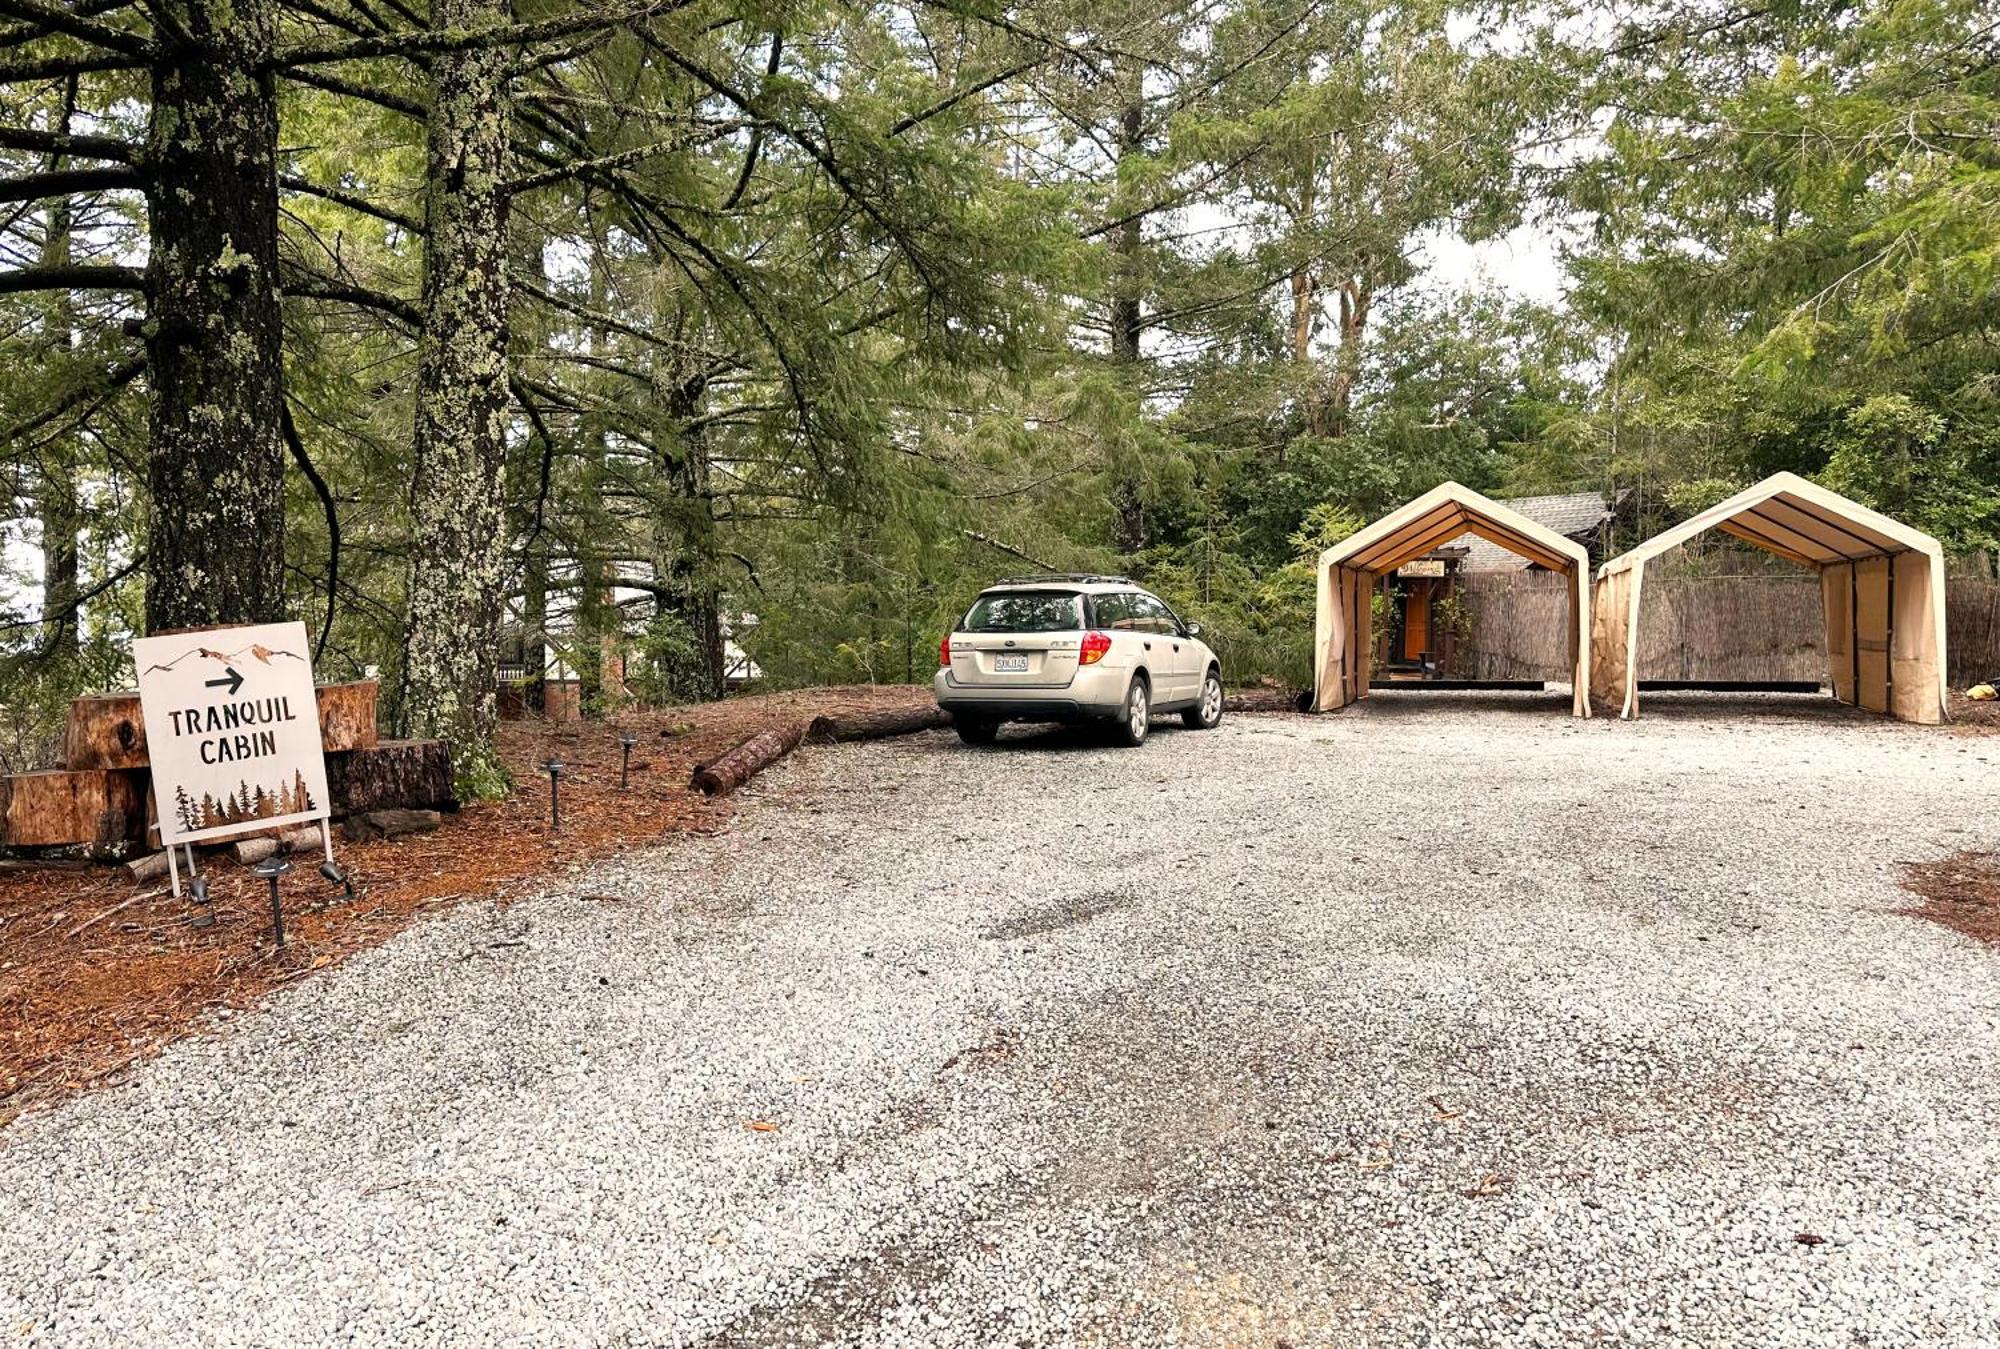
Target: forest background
pixel 473 329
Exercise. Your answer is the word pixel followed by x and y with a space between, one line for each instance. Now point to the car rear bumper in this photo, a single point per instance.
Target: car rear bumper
pixel 1086 697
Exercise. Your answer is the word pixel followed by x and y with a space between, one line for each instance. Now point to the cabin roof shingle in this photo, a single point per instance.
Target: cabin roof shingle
pixel 1574 515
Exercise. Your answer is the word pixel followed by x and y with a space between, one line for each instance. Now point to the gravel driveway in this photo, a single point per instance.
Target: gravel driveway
pixel 1440 1021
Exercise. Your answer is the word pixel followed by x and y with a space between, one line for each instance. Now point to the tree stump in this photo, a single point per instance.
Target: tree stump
pixel 394 773
pixel 101 808
pixel 877 725
pixel 347 716
pixel 105 730
pixel 728 771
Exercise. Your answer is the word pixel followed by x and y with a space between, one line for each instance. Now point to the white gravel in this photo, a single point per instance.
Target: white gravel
pixel 1445 1020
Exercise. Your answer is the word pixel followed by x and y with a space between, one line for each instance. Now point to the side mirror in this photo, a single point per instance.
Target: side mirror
pixel 1194 629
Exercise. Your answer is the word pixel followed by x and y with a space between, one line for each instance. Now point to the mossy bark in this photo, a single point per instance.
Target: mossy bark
pixel 456 503
pixel 216 470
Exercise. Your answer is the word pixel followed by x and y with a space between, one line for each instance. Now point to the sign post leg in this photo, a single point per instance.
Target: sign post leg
pixel 174 871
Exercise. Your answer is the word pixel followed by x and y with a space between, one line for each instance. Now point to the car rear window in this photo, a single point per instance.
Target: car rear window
pixel 1025 611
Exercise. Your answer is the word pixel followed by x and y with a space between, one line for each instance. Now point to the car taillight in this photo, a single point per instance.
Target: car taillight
pixel 944 651
pixel 1095 644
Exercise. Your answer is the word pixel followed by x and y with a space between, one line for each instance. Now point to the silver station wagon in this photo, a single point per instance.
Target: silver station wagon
pixel 1075 648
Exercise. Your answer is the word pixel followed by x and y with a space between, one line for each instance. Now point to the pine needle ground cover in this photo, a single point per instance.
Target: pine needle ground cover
pixel 96 973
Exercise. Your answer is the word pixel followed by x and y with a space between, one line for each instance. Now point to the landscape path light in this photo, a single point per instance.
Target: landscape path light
pixel 554 768
pixel 270 869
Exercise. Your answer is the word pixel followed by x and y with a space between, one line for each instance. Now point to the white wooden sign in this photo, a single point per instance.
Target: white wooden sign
pixel 232 730
pixel 1423 566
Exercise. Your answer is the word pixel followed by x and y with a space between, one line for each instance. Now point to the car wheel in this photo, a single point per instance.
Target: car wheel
pixel 1204 715
pixel 1135 718
pixel 975 730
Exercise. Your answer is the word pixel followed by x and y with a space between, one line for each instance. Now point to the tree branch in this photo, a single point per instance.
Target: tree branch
pixel 81 277
pixel 62 143
pixel 61 67
pixel 320 490
pixel 466 39
pixel 68 182
pixel 58 20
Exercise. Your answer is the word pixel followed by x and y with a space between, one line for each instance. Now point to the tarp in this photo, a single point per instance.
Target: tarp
pixel 1343 651
pixel 1882 582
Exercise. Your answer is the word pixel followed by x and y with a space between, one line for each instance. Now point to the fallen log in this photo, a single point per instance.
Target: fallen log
pixel 148 868
pixel 389 824
pixel 876 725
pixel 104 810
pixel 415 774
pixel 347 715
pixel 250 851
pixel 1262 700
pixel 730 770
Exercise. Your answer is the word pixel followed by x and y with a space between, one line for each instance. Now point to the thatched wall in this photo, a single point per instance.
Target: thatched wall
pixel 1703 627
pixel 1721 627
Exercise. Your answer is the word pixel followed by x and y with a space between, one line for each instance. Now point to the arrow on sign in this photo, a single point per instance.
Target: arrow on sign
pixel 232 683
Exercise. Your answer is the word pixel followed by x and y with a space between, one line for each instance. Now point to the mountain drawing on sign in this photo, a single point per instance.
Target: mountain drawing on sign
pixel 257 651
pixel 245 803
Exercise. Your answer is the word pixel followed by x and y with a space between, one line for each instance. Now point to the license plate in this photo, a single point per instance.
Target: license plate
pixel 1010 664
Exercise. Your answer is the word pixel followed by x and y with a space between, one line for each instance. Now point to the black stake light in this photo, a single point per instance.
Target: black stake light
pixel 203 916
pixel 554 769
pixel 270 869
pixel 625 768
pixel 335 876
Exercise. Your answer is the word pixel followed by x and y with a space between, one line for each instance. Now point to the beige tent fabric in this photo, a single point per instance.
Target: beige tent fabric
pixel 1882 583
pixel 1343 653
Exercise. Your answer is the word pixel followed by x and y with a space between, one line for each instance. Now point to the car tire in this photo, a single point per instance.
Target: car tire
pixel 1206 714
pixel 976 730
pixel 1135 715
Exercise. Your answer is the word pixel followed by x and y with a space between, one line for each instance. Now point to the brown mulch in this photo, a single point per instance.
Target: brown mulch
pixel 1970 718
pixel 1962 892
pixel 96 972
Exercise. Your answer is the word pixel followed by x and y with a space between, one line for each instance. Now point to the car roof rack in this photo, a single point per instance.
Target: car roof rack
pixel 1065 577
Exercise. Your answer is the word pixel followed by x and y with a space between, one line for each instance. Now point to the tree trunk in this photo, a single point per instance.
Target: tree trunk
pixel 57 502
pixel 217 461
pixel 684 549
pixel 456 501
pixel 1356 297
pixel 1127 319
pixel 535 619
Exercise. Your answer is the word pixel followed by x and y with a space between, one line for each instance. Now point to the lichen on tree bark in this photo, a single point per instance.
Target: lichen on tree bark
pixel 456 503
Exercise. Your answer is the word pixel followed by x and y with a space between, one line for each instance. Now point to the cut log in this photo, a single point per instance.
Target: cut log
pixel 148 868
pixel 389 824
pixel 347 715
pixel 104 810
pixel 105 730
pixel 726 772
pixel 413 774
pixel 300 840
pixel 877 725
pixel 250 851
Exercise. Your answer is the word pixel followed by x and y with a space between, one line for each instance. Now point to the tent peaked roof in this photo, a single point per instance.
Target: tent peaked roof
pixel 1794 518
pixel 1442 514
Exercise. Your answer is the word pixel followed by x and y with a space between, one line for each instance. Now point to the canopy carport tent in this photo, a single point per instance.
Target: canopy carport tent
pixel 1882 583
pixel 1343 650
